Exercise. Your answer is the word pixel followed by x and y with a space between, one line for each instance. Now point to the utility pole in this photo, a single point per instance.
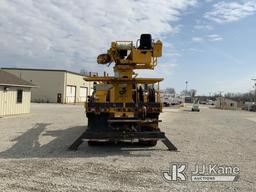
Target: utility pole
pixel 254 80
pixel 210 95
pixel 186 88
pixel 186 91
pixel 221 99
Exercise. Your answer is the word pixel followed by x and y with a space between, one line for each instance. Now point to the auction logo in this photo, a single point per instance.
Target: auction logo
pixel 175 173
pixel 201 173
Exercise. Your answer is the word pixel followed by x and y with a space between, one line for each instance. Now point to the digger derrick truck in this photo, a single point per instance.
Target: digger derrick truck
pixel 123 107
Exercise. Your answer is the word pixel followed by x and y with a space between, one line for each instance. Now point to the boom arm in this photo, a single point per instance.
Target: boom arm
pixel 143 56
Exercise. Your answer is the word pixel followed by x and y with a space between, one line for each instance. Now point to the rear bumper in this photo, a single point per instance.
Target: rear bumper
pixel 115 136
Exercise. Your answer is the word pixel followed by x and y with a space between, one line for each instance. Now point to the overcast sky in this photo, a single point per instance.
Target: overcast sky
pixel 209 43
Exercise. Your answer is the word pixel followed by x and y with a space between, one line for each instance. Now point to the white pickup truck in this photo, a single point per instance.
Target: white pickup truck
pixel 195 106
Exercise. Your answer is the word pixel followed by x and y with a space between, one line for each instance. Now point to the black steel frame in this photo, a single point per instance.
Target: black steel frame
pixel 118 136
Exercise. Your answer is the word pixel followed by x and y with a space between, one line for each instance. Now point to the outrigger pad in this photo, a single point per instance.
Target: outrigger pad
pixel 169 144
pixel 77 142
pixel 115 136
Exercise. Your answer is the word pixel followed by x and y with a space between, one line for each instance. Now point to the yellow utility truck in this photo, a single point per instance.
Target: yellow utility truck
pixel 125 107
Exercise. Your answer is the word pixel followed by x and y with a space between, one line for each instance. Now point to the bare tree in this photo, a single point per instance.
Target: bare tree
pixel 192 93
pixel 170 90
pixel 83 72
pixel 183 92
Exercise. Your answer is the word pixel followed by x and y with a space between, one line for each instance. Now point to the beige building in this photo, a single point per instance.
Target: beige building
pixel 15 94
pixel 54 86
pixel 224 103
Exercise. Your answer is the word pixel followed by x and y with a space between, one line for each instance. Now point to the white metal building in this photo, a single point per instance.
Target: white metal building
pixel 15 94
pixel 55 86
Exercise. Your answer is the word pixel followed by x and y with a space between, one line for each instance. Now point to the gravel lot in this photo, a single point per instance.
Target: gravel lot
pixel 34 156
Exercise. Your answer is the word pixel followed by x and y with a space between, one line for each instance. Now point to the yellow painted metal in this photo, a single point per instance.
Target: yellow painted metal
pixel 136 58
pixel 122 93
pixel 124 83
pixel 142 57
pixel 101 96
pixel 157 49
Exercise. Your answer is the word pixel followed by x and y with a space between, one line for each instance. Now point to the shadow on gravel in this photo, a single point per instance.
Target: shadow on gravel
pixel 28 146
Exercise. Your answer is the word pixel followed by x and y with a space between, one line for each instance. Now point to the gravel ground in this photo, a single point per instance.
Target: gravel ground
pixel 34 156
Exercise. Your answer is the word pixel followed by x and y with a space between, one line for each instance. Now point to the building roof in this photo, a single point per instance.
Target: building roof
pixel 8 79
pixel 37 69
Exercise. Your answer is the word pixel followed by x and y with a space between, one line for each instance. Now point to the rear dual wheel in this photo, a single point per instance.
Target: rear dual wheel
pixel 96 143
pixel 150 143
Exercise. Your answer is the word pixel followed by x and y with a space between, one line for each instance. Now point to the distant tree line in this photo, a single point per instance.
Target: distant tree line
pixel 189 93
pixel 243 97
pixel 83 72
pixel 249 96
pixel 170 91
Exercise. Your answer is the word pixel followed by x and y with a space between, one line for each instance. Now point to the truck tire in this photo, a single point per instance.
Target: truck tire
pixel 93 143
pixel 150 143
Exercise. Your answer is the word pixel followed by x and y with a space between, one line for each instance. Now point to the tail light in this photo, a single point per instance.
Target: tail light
pixel 90 109
pixel 106 110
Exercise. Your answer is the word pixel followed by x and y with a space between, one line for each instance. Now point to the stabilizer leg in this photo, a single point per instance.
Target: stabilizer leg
pixel 169 144
pixel 77 142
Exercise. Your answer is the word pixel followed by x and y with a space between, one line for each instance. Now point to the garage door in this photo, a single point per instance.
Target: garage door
pixel 70 94
pixel 83 94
